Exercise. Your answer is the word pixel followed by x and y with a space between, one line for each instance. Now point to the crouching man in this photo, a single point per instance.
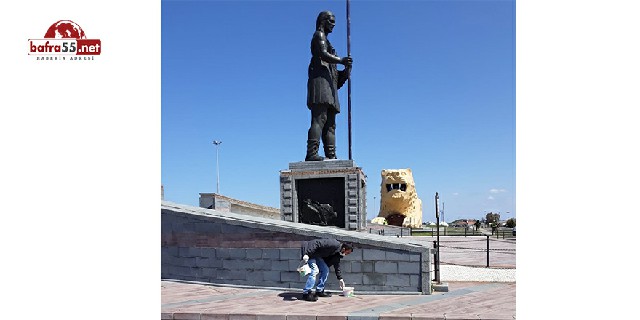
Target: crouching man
pixel 321 254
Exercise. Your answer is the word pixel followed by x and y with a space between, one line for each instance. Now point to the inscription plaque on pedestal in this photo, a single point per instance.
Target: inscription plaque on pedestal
pixel 334 189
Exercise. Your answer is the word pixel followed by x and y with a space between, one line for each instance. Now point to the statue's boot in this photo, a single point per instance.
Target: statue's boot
pixel 329 142
pixel 330 151
pixel 312 151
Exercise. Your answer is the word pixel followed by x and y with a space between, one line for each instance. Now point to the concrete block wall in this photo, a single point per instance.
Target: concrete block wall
pixel 376 269
pixel 225 248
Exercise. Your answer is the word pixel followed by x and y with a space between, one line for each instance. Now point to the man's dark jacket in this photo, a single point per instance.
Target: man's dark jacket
pixel 326 249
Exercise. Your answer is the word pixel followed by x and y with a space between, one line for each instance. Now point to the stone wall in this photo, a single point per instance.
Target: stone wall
pixel 226 248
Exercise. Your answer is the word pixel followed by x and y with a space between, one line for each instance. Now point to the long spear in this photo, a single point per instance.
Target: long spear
pixel 349 78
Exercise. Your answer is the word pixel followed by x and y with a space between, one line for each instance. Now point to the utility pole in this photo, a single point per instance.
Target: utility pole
pixel 217 143
pixel 349 78
pixel 437 264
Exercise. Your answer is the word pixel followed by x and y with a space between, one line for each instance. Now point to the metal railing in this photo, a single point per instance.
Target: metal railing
pixel 474 246
pixel 503 233
pixel 478 242
pixel 387 230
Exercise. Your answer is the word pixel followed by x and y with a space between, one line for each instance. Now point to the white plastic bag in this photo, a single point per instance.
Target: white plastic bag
pixel 304 270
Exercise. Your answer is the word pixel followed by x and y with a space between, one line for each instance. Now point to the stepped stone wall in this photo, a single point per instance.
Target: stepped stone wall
pixel 226 248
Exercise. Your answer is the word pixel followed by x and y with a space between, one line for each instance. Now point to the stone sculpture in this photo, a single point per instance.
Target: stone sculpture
pixel 399 202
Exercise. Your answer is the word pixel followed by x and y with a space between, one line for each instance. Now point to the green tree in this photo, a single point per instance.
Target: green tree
pixel 493 218
pixel 477 224
pixel 511 223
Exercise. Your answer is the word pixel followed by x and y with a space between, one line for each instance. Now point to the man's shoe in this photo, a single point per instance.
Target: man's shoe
pixel 309 297
pixel 323 294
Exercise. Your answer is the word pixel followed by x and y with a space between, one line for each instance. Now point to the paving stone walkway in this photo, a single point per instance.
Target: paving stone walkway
pixel 465 300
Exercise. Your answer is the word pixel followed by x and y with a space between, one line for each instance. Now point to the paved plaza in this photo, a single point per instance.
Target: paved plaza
pixel 465 300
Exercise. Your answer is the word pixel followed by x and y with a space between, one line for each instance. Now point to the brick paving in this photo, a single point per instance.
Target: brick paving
pixel 465 300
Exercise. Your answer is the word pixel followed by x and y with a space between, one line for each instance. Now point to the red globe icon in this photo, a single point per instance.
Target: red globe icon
pixel 65 29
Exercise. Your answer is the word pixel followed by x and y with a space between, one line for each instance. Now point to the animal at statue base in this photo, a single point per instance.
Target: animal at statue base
pixel 399 202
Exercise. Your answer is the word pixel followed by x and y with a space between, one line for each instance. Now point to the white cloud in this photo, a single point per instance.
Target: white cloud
pixel 497 190
pixel 490 198
pixel 455 193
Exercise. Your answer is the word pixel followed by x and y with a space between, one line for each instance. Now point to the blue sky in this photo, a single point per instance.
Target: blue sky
pixel 433 89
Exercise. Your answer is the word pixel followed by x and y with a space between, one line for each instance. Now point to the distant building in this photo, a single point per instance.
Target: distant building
pixel 227 204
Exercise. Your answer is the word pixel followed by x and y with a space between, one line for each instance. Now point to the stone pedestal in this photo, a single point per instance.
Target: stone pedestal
pixel 339 183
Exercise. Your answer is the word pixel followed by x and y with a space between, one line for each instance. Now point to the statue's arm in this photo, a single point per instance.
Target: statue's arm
pixel 343 76
pixel 320 40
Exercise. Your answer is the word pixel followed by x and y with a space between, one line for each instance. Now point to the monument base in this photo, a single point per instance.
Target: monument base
pixel 336 184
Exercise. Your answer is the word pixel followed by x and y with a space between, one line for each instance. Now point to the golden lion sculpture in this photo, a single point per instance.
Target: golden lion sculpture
pixel 399 202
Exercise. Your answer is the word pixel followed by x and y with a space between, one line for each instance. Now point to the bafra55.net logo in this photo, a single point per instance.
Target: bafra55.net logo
pixel 65 40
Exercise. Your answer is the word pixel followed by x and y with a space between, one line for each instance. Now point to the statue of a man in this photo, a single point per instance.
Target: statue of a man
pixel 322 89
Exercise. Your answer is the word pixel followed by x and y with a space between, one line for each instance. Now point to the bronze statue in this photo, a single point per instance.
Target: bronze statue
pixel 322 89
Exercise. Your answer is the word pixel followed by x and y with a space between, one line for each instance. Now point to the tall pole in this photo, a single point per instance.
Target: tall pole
pixel 487 251
pixel 443 219
pixel 217 143
pixel 437 264
pixel 349 78
pixel 375 205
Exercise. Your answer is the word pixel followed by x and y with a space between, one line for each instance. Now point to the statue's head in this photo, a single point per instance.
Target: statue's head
pixel 325 21
pixel 399 201
pixel 397 184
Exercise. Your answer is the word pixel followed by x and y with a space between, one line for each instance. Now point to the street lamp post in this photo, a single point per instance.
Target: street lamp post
pixel 374 206
pixel 217 143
